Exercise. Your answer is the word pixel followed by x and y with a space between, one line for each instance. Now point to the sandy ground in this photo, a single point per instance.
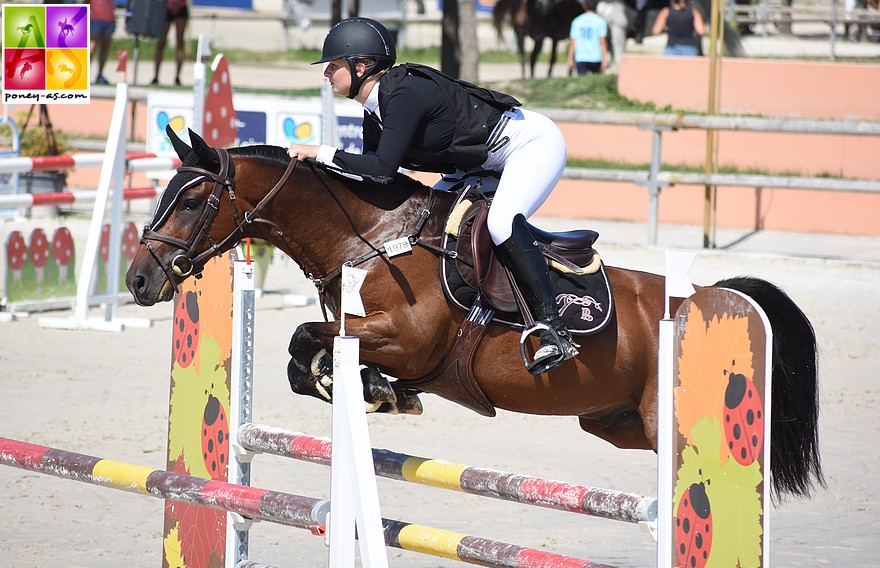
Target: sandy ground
pixel 106 394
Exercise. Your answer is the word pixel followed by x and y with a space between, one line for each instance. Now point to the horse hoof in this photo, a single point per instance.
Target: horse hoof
pixel 377 389
pixel 406 404
pixel 322 390
pixel 409 404
pixel 322 364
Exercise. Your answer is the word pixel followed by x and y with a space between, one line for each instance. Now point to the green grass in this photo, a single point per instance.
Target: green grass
pixel 590 92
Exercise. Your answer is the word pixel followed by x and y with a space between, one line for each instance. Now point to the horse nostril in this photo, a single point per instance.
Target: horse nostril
pixel 139 283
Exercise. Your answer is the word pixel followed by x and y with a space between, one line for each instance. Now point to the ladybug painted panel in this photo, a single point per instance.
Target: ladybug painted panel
pixel 693 528
pixel 215 438
pixel 743 419
pixel 186 329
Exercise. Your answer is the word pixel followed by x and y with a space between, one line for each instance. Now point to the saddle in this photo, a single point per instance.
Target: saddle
pixel 476 282
pixel 475 274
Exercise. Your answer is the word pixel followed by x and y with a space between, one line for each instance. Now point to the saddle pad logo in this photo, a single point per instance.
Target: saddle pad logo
pixel 567 300
pixel 46 54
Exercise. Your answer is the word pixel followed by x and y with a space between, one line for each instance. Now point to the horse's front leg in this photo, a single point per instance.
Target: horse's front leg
pixel 310 372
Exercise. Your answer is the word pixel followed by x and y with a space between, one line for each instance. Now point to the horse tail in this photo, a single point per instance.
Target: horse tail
pixel 794 438
pixel 733 41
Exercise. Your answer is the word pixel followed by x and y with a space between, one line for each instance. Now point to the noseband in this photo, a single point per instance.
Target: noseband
pixel 193 262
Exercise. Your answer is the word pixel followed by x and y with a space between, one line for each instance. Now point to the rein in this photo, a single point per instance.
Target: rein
pixel 414 239
pixel 194 263
pixel 221 180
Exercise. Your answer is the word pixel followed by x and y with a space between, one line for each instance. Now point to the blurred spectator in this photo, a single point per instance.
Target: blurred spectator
pixel 588 48
pixel 684 27
pixel 176 13
pixel 103 24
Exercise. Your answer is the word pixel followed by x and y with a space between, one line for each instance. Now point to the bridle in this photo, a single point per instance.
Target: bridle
pixel 187 261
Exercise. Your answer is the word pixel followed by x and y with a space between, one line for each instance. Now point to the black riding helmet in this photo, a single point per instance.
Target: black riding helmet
pixel 359 38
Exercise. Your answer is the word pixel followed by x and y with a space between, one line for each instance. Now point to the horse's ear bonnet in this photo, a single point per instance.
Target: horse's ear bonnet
pixel 182 181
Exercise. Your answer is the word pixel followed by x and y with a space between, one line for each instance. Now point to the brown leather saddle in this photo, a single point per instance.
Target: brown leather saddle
pixel 583 293
pixel 475 281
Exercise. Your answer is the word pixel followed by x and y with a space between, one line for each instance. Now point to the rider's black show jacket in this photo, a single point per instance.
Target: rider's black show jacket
pixel 430 122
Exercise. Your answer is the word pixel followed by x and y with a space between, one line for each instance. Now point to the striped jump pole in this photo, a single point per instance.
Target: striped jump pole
pixel 134 162
pixel 283 508
pixel 604 503
pixel 54 163
pixel 22 200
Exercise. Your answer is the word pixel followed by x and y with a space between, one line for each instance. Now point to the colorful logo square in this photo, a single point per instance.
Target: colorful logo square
pixel 67 26
pixel 46 53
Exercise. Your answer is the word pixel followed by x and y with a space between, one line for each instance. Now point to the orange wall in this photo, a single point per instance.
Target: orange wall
pixel 756 86
pixel 770 88
pixel 799 154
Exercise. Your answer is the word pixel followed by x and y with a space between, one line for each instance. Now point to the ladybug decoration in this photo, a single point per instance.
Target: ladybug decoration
pixel 215 438
pixel 743 419
pixel 693 528
pixel 186 329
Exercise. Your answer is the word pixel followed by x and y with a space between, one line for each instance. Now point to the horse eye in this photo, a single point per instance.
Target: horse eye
pixel 191 204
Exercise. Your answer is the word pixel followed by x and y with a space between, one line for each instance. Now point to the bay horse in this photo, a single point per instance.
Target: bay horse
pixel 539 20
pixel 323 220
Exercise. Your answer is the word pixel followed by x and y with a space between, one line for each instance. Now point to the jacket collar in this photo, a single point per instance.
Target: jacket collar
pixel 371 105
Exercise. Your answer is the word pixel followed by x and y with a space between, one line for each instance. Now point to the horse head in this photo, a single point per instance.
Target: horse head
pixel 195 220
pixel 192 222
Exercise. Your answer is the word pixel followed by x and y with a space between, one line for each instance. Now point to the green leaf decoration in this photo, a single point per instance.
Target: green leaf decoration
pixel 189 394
pixel 734 493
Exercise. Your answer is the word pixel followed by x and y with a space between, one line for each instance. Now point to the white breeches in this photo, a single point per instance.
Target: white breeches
pixel 530 163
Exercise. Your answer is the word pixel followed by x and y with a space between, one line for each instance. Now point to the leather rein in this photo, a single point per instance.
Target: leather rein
pixel 194 263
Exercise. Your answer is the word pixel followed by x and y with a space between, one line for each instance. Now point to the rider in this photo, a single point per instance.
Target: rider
pixel 419 118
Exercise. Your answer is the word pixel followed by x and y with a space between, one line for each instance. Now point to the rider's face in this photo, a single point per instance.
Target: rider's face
pixel 339 75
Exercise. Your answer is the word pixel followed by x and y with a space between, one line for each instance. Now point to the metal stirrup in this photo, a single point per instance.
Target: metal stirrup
pixel 565 349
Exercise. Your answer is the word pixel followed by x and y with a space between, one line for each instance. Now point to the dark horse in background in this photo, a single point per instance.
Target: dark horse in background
pixel 542 19
pixel 539 20
pixel 324 220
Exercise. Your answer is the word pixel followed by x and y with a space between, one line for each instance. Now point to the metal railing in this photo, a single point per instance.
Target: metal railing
pixel 654 179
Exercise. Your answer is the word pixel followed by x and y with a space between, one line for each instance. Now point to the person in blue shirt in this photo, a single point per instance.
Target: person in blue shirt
pixel 588 48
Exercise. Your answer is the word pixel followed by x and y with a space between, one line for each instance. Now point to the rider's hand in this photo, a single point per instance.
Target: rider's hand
pixel 303 151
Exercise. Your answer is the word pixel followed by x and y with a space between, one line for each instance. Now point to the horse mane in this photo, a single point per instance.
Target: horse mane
pixel 390 194
pixel 273 154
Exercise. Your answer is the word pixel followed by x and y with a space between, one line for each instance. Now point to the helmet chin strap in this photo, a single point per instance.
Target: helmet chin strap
pixel 356 81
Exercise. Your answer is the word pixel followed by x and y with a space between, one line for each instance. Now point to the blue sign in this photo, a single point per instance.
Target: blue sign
pixel 251 127
pixel 243 4
pixel 351 133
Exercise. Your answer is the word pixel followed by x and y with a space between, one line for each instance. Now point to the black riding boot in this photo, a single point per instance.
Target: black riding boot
pixel 521 255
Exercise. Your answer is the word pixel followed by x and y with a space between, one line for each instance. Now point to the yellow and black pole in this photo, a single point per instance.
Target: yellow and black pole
pixel 716 46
